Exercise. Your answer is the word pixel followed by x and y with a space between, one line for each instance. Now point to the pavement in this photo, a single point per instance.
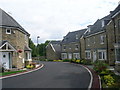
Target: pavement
pixel 52 75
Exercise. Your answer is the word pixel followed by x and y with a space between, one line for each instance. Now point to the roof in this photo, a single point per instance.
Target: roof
pixel 56 45
pixel 71 36
pixel 97 26
pixel 8 21
pixel 26 48
pixel 117 9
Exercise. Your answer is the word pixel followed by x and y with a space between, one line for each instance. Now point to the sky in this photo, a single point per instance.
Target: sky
pixel 53 19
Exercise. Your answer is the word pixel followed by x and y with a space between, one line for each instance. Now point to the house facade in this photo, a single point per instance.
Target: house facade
pixel 113 32
pixel 70 47
pixel 53 50
pixel 94 41
pixel 14 43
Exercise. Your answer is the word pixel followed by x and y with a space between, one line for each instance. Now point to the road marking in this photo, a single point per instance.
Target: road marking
pixel 91 80
pixel 22 73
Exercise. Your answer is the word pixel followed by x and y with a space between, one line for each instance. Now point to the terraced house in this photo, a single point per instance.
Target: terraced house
pixel 70 46
pixel 14 46
pixel 95 41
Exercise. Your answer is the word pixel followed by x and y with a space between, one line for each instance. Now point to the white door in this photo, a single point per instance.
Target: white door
pixel 6 59
pixel 94 56
pixel 70 56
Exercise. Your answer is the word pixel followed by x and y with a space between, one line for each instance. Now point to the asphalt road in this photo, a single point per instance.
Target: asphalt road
pixel 52 75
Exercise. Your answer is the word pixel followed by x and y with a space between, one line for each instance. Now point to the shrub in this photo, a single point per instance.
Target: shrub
pixel 77 61
pixel 66 60
pixel 30 66
pixel 109 80
pixel 99 66
pixel 85 62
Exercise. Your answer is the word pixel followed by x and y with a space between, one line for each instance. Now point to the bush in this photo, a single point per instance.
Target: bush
pixel 85 62
pixel 66 60
pixel 29 66
pixel 77 61
pixel 109 80
pixel 99 66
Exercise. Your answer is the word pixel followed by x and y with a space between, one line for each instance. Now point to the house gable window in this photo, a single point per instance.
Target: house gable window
pixel 76 36
pixel 88 54
pixel 102 39
pixel 103 23
pixel 102 54
pixel 8 31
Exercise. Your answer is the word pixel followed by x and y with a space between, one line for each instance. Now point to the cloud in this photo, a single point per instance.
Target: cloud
pixel 53 19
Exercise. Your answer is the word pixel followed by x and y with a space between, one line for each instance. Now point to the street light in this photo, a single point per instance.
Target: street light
pixel 37 39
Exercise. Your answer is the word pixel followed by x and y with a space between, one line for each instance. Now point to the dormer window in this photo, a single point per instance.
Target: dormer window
pixel 103 23
pixel 76 36
pixel 89 28
pixel 8 31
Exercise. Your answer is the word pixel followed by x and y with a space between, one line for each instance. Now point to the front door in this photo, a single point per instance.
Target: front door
pixel 6 56
pixel 70 56
pixel 94 56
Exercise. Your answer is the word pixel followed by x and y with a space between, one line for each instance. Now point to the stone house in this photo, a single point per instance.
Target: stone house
pixel 53 50
pixel 113 34
pixel 70 46
pixel 94 41
pixel 14 43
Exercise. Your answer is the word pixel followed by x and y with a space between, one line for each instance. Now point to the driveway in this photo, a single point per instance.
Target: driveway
pixel 52 75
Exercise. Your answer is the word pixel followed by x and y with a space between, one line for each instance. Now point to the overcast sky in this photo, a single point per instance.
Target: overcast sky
pixel 53 19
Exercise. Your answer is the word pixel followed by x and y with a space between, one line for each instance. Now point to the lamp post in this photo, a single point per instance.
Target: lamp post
pixel 37 46
pixel 37 39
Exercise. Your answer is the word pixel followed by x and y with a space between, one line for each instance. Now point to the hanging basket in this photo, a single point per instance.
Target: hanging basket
pixel 19 51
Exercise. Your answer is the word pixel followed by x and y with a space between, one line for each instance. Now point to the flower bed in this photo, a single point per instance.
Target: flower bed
pixel 108 78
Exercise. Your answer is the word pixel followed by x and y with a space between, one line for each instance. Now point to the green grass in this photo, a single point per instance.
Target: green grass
pixel 12 72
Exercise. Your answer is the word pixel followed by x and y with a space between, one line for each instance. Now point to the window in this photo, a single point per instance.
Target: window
pixel 64 47
pixel 119 25
pixel 94 40
pixel 64 55
pixel 102 39
pixel 76 36
pixel 76 55
pixel 88 54
pixel 117 54
pixel 103 23
pixel 76 47
pixel 88 40
pixel 102 54
pixel 8 31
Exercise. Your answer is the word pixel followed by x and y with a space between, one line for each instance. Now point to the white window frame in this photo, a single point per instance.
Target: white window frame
pixel 103 52
pixel 76 55
pixel 88 57
pixel 65 55
pixel 88 40
pixel 7 31
pixel 76 46
pixel 77 37
pixel 64 48
pixel 102 39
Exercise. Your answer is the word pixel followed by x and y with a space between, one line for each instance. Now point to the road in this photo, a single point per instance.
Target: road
pixel 52 75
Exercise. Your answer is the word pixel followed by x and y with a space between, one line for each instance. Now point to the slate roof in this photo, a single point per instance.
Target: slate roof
pixel 115 11
pixel 97 26
pixel 7 21
pixel 71 36
pixel 56 45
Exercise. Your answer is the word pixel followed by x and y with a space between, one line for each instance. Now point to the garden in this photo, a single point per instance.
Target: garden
pixel 14 70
